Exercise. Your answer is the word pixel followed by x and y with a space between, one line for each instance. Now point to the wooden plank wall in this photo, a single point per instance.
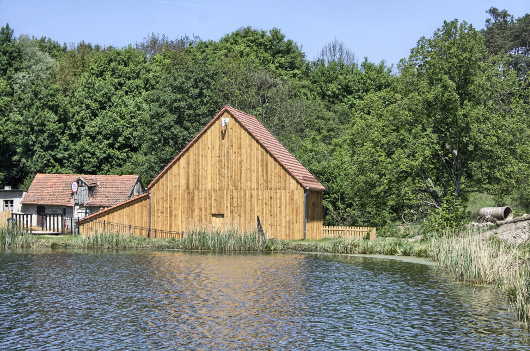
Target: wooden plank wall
pixel 4 216
pixel 227 179
pixel 133 213
pixel 314 215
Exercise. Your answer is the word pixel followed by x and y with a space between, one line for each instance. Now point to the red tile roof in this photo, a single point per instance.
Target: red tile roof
pixel 54 189
pixel 267 140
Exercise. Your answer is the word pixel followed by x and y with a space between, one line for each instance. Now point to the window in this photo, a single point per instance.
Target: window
pixel 8 205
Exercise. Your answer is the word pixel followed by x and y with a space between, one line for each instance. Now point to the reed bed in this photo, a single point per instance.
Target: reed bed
pixel 235 240
pixel 474 259
pixel 14 237
pixel 228 240
pixel 108 241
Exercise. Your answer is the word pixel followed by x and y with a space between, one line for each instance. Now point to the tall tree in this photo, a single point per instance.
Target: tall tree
pixel 270 50
pixel 336 51
pixel 504 34
pixel 107 109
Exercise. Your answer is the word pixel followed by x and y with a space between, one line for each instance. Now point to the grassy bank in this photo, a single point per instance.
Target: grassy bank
pixel 233 240
pixel 468 256
pixel 487 261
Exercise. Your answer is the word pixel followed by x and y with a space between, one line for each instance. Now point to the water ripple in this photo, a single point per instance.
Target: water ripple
pixel 172 300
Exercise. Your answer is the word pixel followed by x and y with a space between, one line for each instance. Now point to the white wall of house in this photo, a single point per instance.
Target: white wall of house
pixel 10 199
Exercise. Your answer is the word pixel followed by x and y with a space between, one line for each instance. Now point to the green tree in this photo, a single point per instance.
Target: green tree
pixel 269 50
pixel 73 65
pixel 445 129
pixel 155 44
pixel 504 34
pixel 10 63
pixel 340 83
pixel 36 64
pixel 179 107
pixel 10 55
pixel 108 107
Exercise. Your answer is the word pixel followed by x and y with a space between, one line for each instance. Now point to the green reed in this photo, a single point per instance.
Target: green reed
pixel 228 240
pixel 108 241
pixel 14 237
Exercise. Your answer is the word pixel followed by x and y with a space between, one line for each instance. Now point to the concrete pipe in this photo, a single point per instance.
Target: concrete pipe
pixel 500 213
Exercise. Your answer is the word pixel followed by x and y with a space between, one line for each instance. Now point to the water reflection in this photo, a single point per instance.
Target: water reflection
pixel 229 300
pixel 175 300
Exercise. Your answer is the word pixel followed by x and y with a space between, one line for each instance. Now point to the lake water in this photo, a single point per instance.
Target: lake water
pixel 57 300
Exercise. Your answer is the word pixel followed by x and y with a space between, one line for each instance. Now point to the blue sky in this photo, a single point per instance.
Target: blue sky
pixel 376 29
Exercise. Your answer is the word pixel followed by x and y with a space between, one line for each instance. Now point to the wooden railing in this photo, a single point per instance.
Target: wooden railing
pixel 52 223
pixel 46 223
pixel 349 232
pixel 22 220
pixel 98 226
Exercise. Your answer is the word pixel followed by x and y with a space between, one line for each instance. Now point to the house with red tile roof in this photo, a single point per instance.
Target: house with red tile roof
pixel 52 193
pixel 233 174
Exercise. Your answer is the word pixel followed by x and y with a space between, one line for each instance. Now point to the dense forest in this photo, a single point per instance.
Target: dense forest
pixel 450 120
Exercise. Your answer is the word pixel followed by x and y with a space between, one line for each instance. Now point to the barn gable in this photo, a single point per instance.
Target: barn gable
pixel 265 138
pixel 231 173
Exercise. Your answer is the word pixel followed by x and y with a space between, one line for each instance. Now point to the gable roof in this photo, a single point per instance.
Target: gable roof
pixel 268 141
pixel 54 189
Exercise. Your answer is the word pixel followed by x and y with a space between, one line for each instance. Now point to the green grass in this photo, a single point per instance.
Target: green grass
pixel 477 201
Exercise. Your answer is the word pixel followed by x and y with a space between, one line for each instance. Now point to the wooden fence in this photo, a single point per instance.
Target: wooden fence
pixel 349 232
pixel 4 216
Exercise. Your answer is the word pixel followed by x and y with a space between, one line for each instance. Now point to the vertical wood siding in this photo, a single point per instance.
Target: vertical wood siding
pixel 314 215
pixel 132 215
pixel 226 179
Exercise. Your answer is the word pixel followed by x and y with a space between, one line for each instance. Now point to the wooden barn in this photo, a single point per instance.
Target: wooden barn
pixel 232 173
